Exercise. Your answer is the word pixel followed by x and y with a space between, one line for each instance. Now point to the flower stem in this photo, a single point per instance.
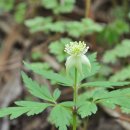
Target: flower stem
pixel 75 101
pixel 74 122
pixel 75 87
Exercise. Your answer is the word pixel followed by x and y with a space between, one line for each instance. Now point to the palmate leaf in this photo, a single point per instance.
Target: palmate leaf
pixel 61 117
pixel 64 7
pixel 112 56
pixel 112 94
pixel 113 102
pixel 28 107
pixel 35 89
pixel 90 26
pixel 49 4
pixel 72 27
pixel 37 24
pixel 121 75
pixel 52 76
pixel 59 7
pixel 119 97
pixel 89 94
pixel 86 108
pixel 104 84
pixel 55 27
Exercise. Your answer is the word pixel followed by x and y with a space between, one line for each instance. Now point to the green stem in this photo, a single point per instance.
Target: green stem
pixel 75 87
pixel 74 122
pixel 75 101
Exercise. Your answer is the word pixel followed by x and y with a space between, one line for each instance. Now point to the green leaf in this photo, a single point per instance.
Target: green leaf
pixel 51 76
pixel 28 107
pixel 56 94
pixel 74 29
pixel 46 24
pixel 37 24
pixel 113 31
pixel 119 97
pixel 86 108
pixel 86 72
pixel 61 117
pixel 120 101
pixel 108 104
pixel 59 6
pixel 120 51
pixel 35 89
pixel 86 96
pixel 6 5
pixel 90 26
pixel 104 84
pixel 55 27
pixel 125 110
pixel 112 94
pixel 85 27
pixel 121 75
pixel 90 95
pixel 20 12
pixel 64 7
pixel 49 4
pixel 57 48
pixel 40 65
pixel 68 104
pixel 36 55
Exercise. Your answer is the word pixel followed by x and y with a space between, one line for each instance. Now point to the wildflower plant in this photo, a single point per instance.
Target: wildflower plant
pixel 77 56
pixel 65 114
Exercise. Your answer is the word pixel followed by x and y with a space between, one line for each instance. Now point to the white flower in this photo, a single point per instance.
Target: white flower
pixel 77 57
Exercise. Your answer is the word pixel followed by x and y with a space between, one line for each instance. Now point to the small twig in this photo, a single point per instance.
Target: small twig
pixel 55 65
pixel 10 67
pixel 88 7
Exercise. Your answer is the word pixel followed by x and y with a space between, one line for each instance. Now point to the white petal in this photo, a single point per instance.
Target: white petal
pixel 70 62
pixel 79 66
pixel 86 61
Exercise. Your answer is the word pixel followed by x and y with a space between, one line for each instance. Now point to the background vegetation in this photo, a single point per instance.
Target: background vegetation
pixel 37 30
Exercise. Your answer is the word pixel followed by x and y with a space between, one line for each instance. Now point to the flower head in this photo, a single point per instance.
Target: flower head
pixel 77 57
pixel 76 48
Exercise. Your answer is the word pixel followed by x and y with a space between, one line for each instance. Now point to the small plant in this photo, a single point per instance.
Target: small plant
pixel 57 48
pixel 113 57
pixel 66 113
pixel 113 32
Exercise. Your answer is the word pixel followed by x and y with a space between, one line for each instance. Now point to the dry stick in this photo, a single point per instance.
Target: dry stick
pixel 53 63
pixel 126 7
pixel 87 15
pixel 114 2
pixel 13 35
pixel 8 44
pixel 97 4
pixel 87 10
